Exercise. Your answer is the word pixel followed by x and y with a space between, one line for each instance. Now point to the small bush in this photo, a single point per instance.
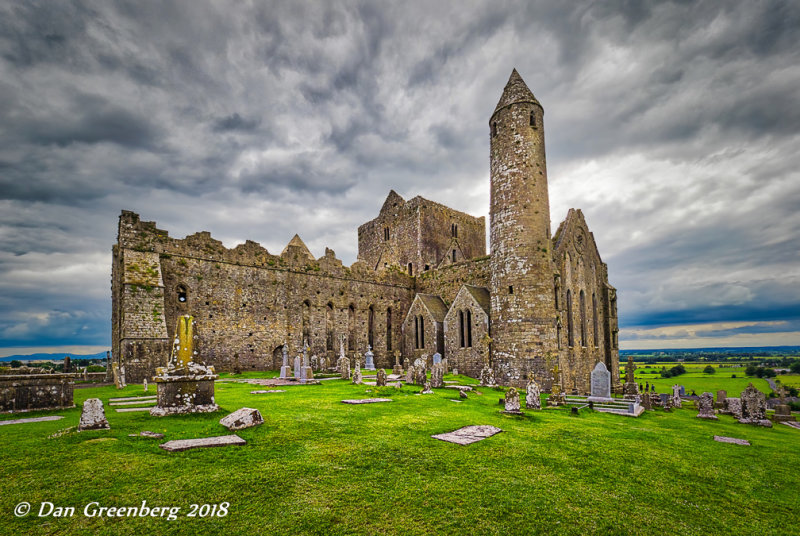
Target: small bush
pixel 709 370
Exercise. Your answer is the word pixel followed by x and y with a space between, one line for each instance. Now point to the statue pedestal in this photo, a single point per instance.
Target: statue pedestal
pixel 185 390
pixel 286 372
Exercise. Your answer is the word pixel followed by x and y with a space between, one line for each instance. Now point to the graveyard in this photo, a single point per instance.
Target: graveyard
pixel 318 466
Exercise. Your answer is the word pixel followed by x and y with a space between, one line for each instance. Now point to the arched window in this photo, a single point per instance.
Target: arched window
pixel 183 294
pixel 389 329
pixel 594 317
pixel 454 255
pixel 462 330
pixel 556 290
pixel 583 318
pixel 306 320
pixel 558 334
pixel 454 230
pixel 329 326
pixel 570 331
pixel 469 328
pixel 371 326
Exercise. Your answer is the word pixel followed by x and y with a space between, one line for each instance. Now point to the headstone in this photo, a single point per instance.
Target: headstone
pixel 721 396
pixel 783 413
pixel 557 397
pixel 420 378
pixel 380 378
pixel 512 401
pixel 86 374
pixel 119 379
pixel 369 359
pixel 437 358
pixel 323 364
pixel 468 434
pixel 705 407
pixel 357 379
pixel 601 382
pixel 67 364
pixel 286 370
pixel 455 371
pixel 754 407
pixel 297 367
pixel 733 406
pixel 445 365
pixel 144 384
pixel 314 362
pixel 437 375
pixel 462 394
pixel 664 397
pixel 93 416
pixel 427 389
pixel 410 374
pixel 630 387
pixel 202 442
pixel 676 396
pixel 682 390
pixel 487 376
pixel 646 401
pixel 533 398
pixel 242 418
pixel 398 368
pixel 421 362
pixel 344 368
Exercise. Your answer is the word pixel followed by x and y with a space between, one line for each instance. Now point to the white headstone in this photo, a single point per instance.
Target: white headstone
pixel 601 381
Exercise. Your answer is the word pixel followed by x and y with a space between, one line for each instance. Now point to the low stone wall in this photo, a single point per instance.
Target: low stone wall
pixel 35 391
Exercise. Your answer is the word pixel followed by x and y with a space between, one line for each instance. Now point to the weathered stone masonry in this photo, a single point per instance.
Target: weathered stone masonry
pixel 542 299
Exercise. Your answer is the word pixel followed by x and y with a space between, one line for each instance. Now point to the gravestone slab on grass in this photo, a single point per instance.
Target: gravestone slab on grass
pixel 93 416
pixel 366 400
pixel 148 434
pixel 265 391
pixel 793 424
pixel 242 418
pixel 736 441
pixel 179 445
pixel 127 399
pixel 130 410
pixel 133 402
pixel 468 434
pixel 31 419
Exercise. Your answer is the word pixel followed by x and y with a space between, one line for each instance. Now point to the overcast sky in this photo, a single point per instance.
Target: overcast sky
pixel 675 127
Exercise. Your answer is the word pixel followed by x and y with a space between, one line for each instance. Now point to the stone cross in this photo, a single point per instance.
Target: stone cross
pixel 285 354
pixel 629 368
pixel 184 334
pixel 341 345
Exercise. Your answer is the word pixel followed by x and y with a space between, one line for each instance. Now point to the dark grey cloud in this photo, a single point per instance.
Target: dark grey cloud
pixel 673 125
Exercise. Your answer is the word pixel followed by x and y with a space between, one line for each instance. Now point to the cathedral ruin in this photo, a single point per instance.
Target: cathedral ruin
pixel 423 283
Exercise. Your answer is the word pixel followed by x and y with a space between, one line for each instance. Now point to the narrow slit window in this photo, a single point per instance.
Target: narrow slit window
pixel 461 330
pixel 182 294
pixel 494 129
pixel 469 328
pixel 454 255
pixel 533 119
pixel 511 289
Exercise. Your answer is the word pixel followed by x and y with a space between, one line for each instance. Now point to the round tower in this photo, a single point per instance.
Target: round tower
pixel 522 304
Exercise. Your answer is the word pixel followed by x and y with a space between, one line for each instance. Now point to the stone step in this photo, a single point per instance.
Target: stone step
pixel 133 403
pixel 154 397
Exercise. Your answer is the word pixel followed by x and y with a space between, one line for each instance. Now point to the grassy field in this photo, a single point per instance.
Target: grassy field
pixel 321 467
pixel 697 380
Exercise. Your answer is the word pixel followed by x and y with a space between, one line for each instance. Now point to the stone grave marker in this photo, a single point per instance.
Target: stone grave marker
pixel 369 359
pixel 600 383
pixel 202 442
pixel 676 396
pixel 93 416
pixel 242 418
pixel 533 398
pixel 705 407
pixel 721 396
pixel 427 389
pixel 298 365
pixel 735 441
pixel 437 375
pixel 358 401
pixel 380 378
pixel 512 401
pixel 754 407
pixel 437 358
pixel 468 434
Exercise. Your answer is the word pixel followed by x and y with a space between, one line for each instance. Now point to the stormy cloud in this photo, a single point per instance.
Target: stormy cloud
pixel 674 126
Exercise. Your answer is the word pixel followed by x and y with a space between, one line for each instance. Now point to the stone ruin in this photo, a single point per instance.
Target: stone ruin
pixel 28 392
pixel 184 386
pixel 533 398
pixel 754 407
pixel 783 412
pixel 705 407
pixel 380 378
pixel 93 416
pixel 732 406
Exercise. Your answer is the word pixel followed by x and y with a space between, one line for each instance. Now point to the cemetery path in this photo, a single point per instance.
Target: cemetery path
pixel 771 383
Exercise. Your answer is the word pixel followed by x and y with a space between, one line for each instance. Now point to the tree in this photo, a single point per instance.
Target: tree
pixel 795 367
pixel 16 363
pixel 709 370
pixel 750 370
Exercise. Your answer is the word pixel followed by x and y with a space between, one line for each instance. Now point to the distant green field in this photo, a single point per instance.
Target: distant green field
pixel 792 380
pixel 695 379
pixel 321 467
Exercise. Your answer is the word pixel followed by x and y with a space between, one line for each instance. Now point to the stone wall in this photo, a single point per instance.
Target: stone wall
pixel 35 391
pixel 468 357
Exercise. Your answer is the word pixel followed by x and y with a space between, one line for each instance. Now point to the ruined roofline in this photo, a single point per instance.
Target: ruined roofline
pixel 202 246
pixel 418 201
pixel 572 214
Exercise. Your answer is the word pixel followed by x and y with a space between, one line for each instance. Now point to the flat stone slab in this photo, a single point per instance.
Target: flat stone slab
pixel 451 381
pixel 723 439
pixel 148 434
pixel 32 419
pixel 468 434
pixel 142 398
pixel 132 403
pixel 366 400
pixel 242 418
pixel 459 387
pixel 787 423
pixel 265 391
pixel 127 410
pixel 179 445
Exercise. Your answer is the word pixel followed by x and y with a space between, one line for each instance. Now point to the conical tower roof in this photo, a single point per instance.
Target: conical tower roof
pixel 515 91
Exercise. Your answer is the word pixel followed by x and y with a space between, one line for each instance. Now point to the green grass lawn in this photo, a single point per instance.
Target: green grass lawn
pixel 697 380
pixel 321 467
